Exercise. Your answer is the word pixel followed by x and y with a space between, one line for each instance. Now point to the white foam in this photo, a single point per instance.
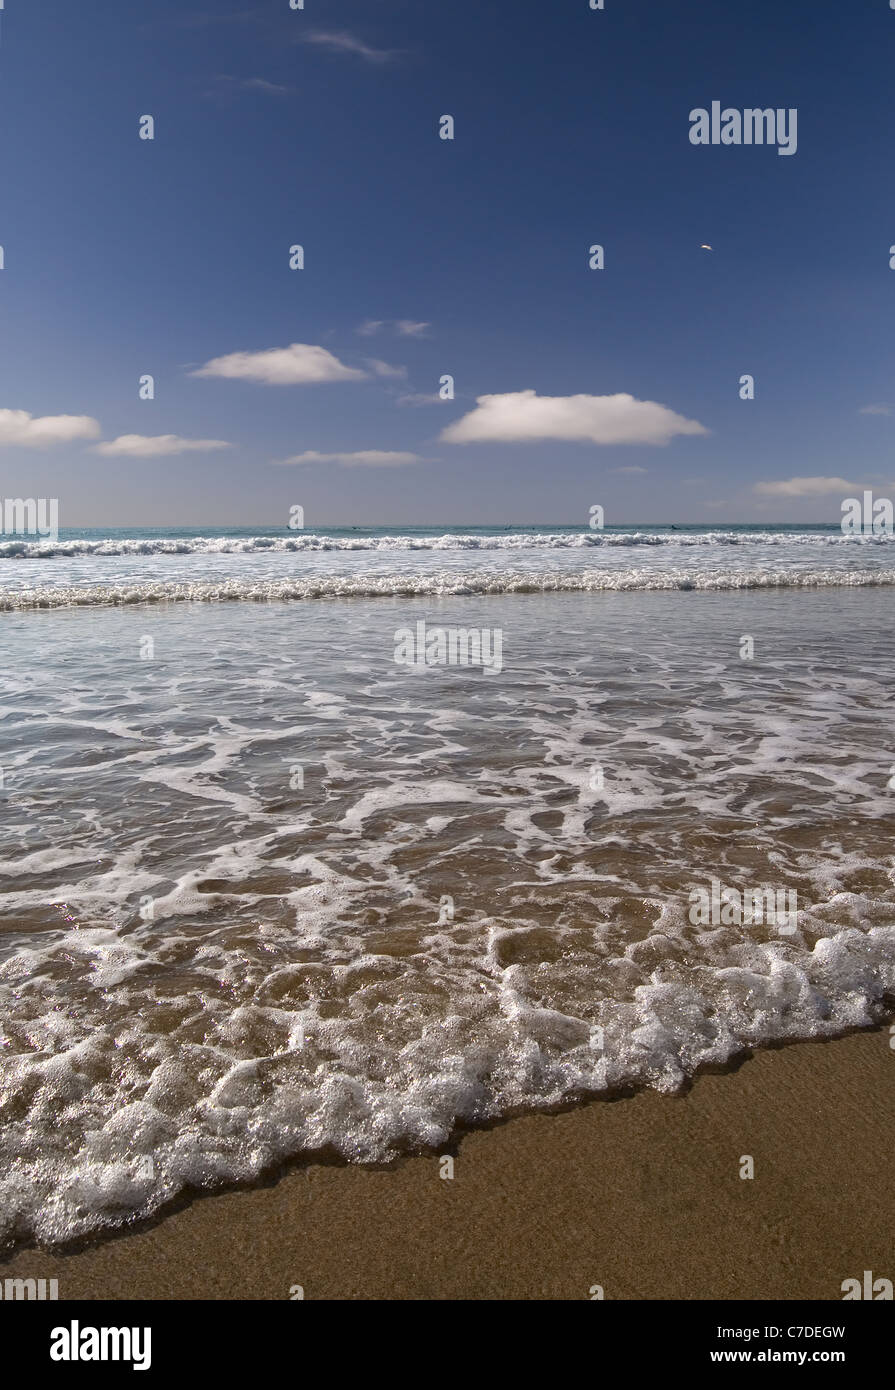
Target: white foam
pixel 437 584
pixel 305 542
pixel 202 1116
pixel 448 920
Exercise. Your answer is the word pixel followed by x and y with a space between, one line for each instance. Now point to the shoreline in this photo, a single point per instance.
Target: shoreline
pixel 640 1195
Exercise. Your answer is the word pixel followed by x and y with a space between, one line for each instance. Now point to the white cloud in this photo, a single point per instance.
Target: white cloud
pixel 521 416
pixel 347 43
pixel 300 364
pixel 420 398
pixel 40 431
pixel 804 487
pixel 384 369
pixel 255 84
pixel 632 469
pixel 146 446
pixel 405 328
pixel 365 458
pixel 875 410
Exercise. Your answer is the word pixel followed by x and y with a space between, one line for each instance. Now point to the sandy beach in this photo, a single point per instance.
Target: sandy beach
pixel 447 689
pixel 642 1196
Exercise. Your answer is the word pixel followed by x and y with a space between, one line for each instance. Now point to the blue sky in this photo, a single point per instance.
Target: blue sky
pixel 426 257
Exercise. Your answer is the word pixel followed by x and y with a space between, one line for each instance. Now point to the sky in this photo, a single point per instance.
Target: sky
pixel 425 257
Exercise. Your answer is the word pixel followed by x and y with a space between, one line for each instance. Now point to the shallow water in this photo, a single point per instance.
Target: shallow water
pixel 268 893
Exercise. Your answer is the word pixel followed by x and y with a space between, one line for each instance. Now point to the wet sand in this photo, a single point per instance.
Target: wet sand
pixel 641 1196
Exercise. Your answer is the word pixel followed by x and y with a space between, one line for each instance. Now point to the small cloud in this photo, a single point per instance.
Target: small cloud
pixel 875 410
pixel 524 416
pixel 365 458
pixel 379 368
pixel 253 84
pixel 19 427
pixel 347 43
pixel 420 398
pixel 300 364
pixel 145 446
pixel 633 469
pixel 804 487
pixel 405 328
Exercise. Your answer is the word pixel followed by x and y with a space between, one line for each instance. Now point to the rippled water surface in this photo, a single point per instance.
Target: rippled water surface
pixel 268 893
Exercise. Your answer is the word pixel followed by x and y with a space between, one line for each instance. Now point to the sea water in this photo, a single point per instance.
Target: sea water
pixel 269 893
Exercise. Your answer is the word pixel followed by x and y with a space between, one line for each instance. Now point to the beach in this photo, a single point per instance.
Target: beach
pixel 394 838
pixel 642 1196
pixel 447 688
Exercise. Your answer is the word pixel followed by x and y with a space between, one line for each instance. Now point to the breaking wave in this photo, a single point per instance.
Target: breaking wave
pixel 20 549
pixel 436 585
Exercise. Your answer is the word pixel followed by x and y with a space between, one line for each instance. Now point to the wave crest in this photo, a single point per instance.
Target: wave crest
pixel 19 549
pixel 434 585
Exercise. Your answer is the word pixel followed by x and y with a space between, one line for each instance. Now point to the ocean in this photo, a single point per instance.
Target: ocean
pixel 270 893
